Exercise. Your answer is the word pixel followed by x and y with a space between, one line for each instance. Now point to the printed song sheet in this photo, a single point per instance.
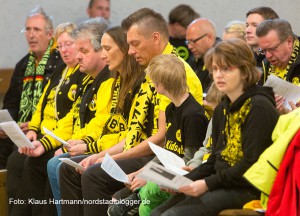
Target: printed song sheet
pixel 170 160
pixel 12 129
pixel 113 169
pixel 5 116
pixel 162 176
pixel 289 91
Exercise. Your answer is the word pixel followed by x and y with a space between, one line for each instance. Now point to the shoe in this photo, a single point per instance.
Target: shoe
pixel 125 207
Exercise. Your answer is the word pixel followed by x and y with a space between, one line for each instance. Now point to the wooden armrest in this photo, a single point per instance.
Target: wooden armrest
pixel 3 193
pixel 239 212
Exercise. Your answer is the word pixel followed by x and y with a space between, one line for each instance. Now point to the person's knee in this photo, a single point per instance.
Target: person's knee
pixel 94 174
pixel 65 170
pixel 52 166
pixel 88 175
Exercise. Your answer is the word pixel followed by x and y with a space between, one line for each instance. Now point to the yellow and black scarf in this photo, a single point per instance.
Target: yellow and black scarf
pixel 233 132
pixel 33 84
pixel 115 96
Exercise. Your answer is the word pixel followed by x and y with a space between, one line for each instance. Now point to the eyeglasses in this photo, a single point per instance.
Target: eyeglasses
pixel 270 50
pixel 192 42
pixel 66 46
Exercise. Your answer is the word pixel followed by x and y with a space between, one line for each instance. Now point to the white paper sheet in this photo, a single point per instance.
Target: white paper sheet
pixel 72 163
pixel 170 160
pixel 162 176
pixel 113 169
pixel 12 129
pixel 50 133
pixel 5 116
pixel 283 88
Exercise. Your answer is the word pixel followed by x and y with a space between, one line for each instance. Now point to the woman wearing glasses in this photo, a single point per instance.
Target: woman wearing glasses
pixel 241 130
pixel 62 88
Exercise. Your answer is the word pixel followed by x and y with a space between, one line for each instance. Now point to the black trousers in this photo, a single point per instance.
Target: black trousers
pixel 15 165
pixel 30 191
pixel 209 204
pixel 95 187
pixel 6 148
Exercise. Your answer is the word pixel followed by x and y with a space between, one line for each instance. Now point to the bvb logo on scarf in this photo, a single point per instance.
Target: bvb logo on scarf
pixel 92 104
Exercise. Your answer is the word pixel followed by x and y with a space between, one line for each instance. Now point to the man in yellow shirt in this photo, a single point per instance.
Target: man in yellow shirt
pixel 147 36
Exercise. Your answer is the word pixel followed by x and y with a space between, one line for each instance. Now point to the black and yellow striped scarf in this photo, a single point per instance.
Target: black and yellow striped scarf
pixel 33 84
pixel 115 95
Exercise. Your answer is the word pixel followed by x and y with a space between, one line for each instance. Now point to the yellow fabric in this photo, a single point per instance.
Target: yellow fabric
pixel 67 129
pixel 95 126
pixel 113 132
pixel 49 113
pixel 254 205
pixel 279 72
pixel 233 152
pixel 262 174
pixel 143 100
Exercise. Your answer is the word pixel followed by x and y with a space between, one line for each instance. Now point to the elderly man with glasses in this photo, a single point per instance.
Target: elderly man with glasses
pixel 200 37
pixel 281 48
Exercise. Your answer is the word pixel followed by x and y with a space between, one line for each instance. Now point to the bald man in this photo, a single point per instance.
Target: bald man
pixel 200 37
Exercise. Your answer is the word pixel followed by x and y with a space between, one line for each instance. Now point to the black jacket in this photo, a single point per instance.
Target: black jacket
pixel 247 124
pixel 63 102
pixel 12 97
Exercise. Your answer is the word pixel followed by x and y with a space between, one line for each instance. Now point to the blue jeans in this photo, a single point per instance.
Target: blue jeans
pixel 53 175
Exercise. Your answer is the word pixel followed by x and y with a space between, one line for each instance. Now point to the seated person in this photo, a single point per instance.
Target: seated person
pixel 185 117
pixel 213 98
pixel 56 101
pixel 241 130
pixel 151 193
pixel 129 81
pixel 147 115
pixel 98 78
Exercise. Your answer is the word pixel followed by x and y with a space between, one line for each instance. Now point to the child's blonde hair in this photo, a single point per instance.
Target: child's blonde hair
pixel 168 70
pixel 213 96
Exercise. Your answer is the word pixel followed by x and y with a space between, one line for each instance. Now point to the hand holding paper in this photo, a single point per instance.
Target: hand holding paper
pixel 47 131
pixel 287 90
pixel 14 132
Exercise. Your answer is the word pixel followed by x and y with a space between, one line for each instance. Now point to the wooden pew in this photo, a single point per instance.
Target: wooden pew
pixel 5 76
pixel 3 193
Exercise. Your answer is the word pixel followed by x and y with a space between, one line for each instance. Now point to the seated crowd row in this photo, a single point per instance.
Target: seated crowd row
pixel 112 89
